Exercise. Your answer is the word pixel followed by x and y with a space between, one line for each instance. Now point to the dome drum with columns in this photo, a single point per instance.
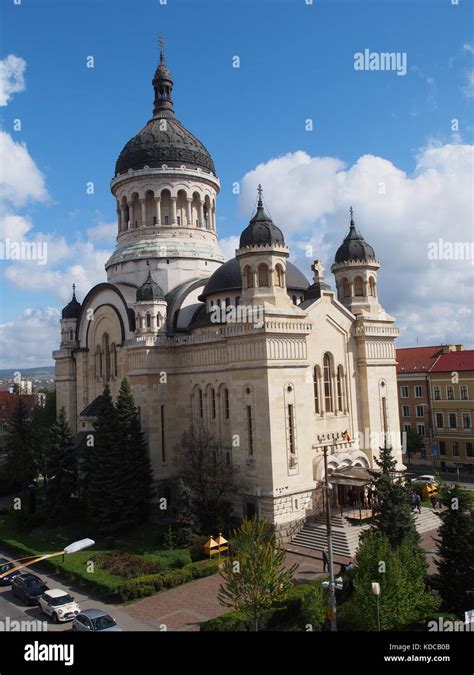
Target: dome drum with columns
pixel 316 369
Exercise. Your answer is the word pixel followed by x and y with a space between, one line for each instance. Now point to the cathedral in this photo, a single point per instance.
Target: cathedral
pixel 277 368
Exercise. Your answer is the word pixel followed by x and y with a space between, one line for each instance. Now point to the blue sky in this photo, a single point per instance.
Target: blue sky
pixel 297 62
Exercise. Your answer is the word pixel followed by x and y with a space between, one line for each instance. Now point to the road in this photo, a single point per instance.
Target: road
pixel 13 609
pixel 466 480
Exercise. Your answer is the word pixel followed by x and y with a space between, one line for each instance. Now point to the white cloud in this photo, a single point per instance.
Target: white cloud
pixel 229 245
pixel 11 77
pixel 104 232
pixel 20 179
pixel 398 214
pixel 27 341
pixel 468 89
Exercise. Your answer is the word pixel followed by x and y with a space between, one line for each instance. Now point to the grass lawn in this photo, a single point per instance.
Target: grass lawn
pixel 146 542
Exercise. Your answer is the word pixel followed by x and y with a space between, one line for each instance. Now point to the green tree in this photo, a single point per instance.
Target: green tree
pixel 184 513
pixel 44 417
pixel 456 550
pixel 394 516
pixel 415 443
pixel 137 475
pixel 203 465
pixel 400 572
pixel 19 459
pixel 61 468
pixel 254 576
pixel 104 481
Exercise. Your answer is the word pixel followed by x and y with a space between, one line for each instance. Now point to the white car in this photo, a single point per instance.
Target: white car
pixel 59 605
pixel 426 478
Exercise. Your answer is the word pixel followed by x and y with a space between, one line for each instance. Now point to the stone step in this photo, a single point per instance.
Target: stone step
pixel 345 536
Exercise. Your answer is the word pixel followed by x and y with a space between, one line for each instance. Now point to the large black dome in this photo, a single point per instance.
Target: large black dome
pixel 174 146
pixel 228 277
pixel 163 140
pixel 354 247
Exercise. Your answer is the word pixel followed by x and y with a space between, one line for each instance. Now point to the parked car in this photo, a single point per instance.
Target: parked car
pixel 28 587
pixel 6 565
pixel 426 478
pixel 95 620
pixel 59 605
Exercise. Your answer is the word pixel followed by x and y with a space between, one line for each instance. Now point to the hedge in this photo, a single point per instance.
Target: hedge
pixel 289 613
pixel 140 587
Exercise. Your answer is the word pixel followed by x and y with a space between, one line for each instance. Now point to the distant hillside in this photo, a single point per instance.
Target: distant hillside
pixel 40 373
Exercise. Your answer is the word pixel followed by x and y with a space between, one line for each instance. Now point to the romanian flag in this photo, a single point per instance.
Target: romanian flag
pixel 346 436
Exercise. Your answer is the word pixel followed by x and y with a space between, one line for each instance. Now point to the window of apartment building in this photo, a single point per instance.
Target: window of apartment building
pixel 442 447
pixel 455 449
pixel 406 410
pixel 469 450
pixel 420 429
pixel 466 421
pixel 436 393
pixel 404 392
pixel 450 393
pixel 464 392
pixel 407 427
pixel 439 420
pixel 452 421
pixel 418 391
pixel 419 411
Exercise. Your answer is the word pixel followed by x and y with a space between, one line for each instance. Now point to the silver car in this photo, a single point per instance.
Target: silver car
pixel 95 620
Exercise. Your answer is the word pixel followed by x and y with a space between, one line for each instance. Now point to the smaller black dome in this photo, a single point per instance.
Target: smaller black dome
pixel 354 246
pixel 261 230
pixel 149 290
pixel 73 308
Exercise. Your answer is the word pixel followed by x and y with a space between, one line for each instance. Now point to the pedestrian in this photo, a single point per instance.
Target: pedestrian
pixel 433 501
pixel 325 561
pixel 418 502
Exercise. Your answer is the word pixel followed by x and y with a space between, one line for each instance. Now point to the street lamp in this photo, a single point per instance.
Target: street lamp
pixel 72 548
pixel 376 592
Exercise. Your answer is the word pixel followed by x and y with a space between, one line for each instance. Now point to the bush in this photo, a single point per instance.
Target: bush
pixel 143 586
pixel 305 604
pixel 126 564
pixel 178 563
pixel 195 545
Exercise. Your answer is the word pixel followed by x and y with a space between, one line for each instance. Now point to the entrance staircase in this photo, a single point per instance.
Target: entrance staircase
pixel 345 534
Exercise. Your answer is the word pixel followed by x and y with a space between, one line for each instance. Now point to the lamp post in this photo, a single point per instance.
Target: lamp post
pixel 376 592
pixel 72 548
pixel 332 590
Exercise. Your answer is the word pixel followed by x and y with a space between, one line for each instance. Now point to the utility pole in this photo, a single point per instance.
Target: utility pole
pixel 332 588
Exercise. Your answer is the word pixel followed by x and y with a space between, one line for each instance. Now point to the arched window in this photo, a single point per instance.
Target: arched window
pixel 262 275
pixel 226 404
pixel 358 286
pixel 237 301
pixel 106 352
pixel 114 359
pixel 98 362
pixel 327 383
pixel 213 404
pixel 372 286
pixel 317 408
pixel 200 403
pixel 340 389
pixel 148 320
pixel 159 319
pixel 346 288
pixel 227 302
pixel 249 277
pixel 279 276
pixel 70 335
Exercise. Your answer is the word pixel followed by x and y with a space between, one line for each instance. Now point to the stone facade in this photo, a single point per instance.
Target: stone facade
pixel 314 369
